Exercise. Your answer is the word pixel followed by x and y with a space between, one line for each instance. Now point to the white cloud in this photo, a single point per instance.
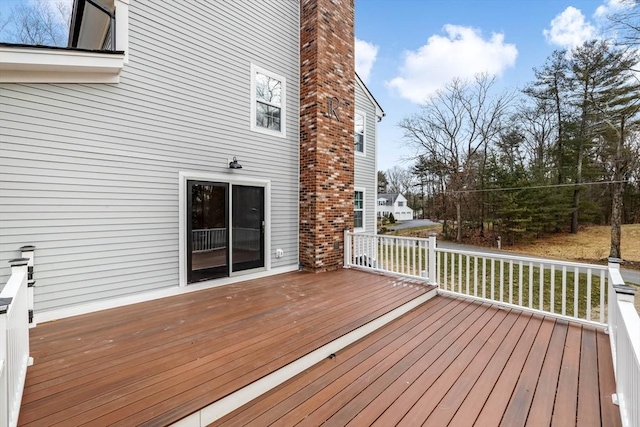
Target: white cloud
pixel 365 57
pixel 462 53
pixel 612 6
pixel 569 29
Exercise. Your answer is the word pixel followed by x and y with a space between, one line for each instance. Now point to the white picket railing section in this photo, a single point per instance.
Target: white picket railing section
pixel 624 334
pixel 405 256
pixel 208 239
pixel 566 289
pixel 14 343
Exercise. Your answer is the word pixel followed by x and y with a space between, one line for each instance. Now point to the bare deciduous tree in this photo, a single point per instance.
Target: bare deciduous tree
pixel 37 22
pixel 453 130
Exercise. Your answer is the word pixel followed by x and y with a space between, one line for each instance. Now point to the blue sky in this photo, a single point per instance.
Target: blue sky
pixel 407 49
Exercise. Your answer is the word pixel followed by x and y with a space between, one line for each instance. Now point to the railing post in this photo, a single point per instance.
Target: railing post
pixel 432 259
pixel 28 252
pixel 347 249
pixel 4 368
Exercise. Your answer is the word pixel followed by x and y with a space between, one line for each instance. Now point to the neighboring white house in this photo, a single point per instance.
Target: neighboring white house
pixel 395 204
pixel 144 160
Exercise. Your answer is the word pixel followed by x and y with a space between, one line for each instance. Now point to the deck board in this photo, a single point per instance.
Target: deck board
pixel 475 364
pixel 159 361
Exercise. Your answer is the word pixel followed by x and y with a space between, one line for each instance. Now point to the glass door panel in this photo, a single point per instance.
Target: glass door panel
pixel 207 231
pixel 247 218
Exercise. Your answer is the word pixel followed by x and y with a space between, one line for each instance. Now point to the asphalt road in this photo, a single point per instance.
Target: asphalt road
pixel 412 224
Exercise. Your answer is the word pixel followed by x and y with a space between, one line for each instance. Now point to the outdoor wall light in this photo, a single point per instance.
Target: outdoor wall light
pixel 234 164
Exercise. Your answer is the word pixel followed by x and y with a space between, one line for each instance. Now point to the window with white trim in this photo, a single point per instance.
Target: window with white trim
pixel 268 99
pixel 358 210
pixel 359 126
pixel 400 204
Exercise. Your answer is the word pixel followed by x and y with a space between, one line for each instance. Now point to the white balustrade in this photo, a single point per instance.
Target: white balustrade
pixel 209 239
pixel 14 342
pixel 624 334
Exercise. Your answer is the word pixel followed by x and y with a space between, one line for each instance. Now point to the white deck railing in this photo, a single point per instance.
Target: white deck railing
pixel 624 334
pixel 14 342
pixel 566 289
pixel 208 239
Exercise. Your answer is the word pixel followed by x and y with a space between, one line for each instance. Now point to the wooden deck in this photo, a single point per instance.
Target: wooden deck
pixel 452 362
pixel 157 362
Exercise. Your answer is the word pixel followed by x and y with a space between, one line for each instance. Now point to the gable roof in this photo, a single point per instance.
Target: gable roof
pixel 379 112
pixel 389 197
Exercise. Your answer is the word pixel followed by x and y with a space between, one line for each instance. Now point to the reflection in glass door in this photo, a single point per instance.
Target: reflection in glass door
pixel 207 231
pixel 247 219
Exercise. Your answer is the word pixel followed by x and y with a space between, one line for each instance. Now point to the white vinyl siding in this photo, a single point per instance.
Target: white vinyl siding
pixel 89 172
pixel 365 165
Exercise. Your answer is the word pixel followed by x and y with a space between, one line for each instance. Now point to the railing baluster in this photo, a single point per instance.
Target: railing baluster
pixel 468 271
pixel 484 277
pixel 602 291
pixel 541 286
pixel 576 288
pixel 530 305
pixel 552 291
pixel 445 269
pixel 493 277
pixel 475 275
pixel 510 281
pixel 520 284
pixel 420 255
pixel 588 294
pixel 564 290
pixel 460 273
pixel 501 280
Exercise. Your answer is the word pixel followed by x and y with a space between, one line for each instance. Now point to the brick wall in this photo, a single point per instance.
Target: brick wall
pixel 327 99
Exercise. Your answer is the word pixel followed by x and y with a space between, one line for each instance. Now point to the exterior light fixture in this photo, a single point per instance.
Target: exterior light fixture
pixel 234 164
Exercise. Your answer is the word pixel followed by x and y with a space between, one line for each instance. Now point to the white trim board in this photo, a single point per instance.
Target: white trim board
pixel 92 307
pixel 235 400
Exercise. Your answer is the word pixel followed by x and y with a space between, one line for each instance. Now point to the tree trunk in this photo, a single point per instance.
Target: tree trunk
pixel 616 197
pixel 616 220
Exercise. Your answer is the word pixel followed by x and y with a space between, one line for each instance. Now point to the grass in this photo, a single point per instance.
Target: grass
pixel 590 244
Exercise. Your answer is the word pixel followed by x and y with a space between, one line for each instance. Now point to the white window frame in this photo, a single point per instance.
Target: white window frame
pixel 362 153
pixel 41 65
pixel 185 176
pixel 283 106
pixel 364 210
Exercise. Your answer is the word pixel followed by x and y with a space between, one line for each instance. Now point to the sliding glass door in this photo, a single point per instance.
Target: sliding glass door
pixel 218 239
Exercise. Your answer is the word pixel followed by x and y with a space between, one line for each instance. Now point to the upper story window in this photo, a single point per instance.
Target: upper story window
pixel 358 211
pixel 400 204
pixel 65 42
pixel 359 125
pixel 268 98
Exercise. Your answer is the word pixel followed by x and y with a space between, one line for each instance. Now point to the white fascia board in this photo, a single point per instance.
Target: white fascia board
pixel 23 65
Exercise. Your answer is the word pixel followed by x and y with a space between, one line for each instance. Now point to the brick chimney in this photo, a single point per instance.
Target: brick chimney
pixel 327 100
